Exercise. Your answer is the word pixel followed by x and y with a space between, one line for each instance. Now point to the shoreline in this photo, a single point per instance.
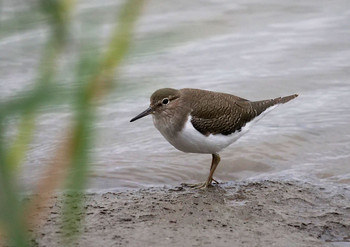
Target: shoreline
pixel 264 213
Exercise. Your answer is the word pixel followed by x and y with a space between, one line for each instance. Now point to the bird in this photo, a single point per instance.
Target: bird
pixel 202 121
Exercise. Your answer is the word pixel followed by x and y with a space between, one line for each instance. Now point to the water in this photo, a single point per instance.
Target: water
pixel 253 49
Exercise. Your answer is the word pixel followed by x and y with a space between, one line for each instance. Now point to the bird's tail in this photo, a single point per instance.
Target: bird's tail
pixel 282 100
pixel 261 106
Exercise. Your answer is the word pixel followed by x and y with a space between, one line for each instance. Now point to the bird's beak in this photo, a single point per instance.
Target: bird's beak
pixel 142 114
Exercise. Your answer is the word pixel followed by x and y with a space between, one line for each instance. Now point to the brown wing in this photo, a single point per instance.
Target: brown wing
pixel 219 113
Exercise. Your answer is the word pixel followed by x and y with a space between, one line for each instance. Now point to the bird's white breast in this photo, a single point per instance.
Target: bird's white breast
pixel 191 140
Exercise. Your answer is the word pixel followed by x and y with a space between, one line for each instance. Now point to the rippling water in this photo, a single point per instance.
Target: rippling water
pixel 253 49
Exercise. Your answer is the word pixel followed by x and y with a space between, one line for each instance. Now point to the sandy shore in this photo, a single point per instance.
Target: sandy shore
pixel 265 213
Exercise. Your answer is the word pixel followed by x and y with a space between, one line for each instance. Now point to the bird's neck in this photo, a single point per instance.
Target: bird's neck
pixel 171 121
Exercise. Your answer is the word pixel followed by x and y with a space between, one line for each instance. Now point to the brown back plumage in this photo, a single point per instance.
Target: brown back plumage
pixel 220 113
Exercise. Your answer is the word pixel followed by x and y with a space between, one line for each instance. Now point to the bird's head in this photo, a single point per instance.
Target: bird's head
pixel 162 102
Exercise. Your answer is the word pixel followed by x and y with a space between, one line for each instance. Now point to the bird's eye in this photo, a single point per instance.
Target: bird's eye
pixel 165 101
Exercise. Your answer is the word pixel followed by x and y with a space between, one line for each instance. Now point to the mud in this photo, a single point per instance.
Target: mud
pixel 264 213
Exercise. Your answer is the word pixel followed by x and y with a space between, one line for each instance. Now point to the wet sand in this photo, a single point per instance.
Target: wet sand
pixel 263 213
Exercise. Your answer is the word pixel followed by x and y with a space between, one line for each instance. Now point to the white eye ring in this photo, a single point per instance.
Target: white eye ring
pixel 165 101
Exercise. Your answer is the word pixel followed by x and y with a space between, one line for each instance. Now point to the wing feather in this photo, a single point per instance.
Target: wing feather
pixel 220 113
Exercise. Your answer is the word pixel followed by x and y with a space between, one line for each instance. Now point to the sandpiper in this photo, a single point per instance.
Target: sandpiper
pixel 200 121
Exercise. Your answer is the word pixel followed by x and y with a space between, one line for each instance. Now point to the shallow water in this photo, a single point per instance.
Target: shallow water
pixel 253 49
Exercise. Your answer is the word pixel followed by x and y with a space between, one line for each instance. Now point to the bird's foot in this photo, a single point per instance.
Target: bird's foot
pixel 199 185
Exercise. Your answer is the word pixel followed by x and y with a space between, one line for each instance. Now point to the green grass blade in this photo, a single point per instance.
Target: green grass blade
pixel 94 89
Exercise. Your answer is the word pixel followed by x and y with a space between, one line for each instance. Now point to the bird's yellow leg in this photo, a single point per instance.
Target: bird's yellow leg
pixel 214 163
